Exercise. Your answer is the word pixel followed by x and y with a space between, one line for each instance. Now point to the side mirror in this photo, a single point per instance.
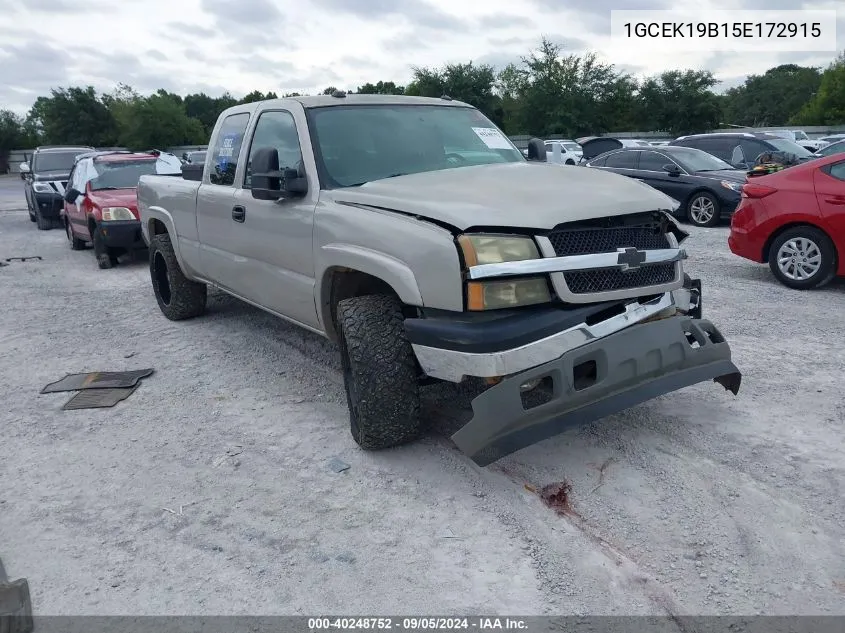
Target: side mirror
pixel 271 183
pixel 671 169
pixel 71 195
pixel 536 150
pixel 24 168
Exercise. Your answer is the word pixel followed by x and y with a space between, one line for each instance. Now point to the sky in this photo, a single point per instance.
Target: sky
pixel 214 46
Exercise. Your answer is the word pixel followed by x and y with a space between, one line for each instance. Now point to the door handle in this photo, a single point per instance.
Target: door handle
pixel 835 200
pixel 238 214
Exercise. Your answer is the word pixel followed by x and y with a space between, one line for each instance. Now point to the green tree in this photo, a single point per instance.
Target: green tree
pixel 74 116
pixel 158 121
pixel 257 95
pixel 381 88
pixel 679 102
pixel 329 90
pixel 206 109
pixel 12 136
pixel 772 98
pixel 827 107
pixel 470 83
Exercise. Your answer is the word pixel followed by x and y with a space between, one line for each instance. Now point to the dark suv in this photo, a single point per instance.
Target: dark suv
pixel 46 178
pixel 741 149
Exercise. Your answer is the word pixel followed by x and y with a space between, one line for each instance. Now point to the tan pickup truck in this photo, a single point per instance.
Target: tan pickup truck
pixel 413 233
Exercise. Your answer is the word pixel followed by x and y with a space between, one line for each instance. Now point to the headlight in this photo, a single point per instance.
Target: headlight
pixel 42 187
pixel 117 213
pixel 493 295
pixel 511 293
pixel 733 186
pixel 495 249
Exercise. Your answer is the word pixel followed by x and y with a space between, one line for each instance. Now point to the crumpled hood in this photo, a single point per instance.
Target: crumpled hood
pixel 524 195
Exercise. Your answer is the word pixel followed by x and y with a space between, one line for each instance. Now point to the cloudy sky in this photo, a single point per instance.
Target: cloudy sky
pixel 305 45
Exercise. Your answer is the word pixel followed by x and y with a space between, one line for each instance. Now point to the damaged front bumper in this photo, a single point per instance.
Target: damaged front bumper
pixel 587 371
pixel 596 380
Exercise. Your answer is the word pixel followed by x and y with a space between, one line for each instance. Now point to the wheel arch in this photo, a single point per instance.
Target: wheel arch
pixel 339 282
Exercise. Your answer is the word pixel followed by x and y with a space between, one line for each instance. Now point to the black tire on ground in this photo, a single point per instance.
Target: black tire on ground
pixel 807 243
pixel 704 198
pixel 178 297
pixel 76 244
pixel 44 224
pixel 379 372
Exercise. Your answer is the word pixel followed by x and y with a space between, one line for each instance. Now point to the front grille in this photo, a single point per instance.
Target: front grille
pixel 608 279
pixel 642 231
pixel 606 240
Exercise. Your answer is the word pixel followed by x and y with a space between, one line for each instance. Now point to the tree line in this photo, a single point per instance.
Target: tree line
pixel 548 93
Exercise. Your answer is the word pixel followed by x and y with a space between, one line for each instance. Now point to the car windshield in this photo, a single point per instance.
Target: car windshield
pixel 693 159
pixel 799 135
pixel 123 174
pixel 359 144
pixel 56 161
pixel 785 145
pixel 572 147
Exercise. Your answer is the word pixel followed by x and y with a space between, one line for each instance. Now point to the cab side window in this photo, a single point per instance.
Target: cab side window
pixel 276 129
pixel 622 160
pixel 752 149
pixel 227 149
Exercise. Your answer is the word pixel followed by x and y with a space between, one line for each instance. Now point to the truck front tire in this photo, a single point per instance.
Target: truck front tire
pixel 178 297
pixel 379 372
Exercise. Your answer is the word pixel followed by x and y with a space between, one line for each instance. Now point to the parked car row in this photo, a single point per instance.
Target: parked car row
pixel 92 195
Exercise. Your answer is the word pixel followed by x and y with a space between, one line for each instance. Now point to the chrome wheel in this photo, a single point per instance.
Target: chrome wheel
pixel 702 210
pixel 799 259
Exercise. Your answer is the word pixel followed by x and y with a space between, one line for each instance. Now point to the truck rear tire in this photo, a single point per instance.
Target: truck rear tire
pixel 379 372
pixel 178 297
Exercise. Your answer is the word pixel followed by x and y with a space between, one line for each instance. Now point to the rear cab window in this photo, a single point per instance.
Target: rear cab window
pixel 223 158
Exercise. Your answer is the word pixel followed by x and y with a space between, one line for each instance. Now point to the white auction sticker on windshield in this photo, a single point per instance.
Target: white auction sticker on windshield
pixel 492 138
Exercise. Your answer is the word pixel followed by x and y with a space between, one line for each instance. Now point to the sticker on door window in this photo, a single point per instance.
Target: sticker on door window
pixel 492 138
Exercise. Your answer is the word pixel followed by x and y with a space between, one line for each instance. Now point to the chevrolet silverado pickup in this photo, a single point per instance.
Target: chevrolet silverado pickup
pixel 413 233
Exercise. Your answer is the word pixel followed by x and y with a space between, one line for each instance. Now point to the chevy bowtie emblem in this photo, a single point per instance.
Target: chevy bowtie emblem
pixel 629 258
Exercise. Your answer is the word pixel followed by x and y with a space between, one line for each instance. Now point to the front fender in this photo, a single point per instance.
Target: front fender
pixel 385 267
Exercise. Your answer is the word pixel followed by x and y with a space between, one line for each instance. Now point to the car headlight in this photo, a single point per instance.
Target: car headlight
pixel 42 187
pixel 495 249
pixel 733 186
pixel 510 293
pixel 117 213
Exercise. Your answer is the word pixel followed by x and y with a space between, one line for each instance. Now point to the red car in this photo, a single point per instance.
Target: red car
pixel 794 220
pixel 100 203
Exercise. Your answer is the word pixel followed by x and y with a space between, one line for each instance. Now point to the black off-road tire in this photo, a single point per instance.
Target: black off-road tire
pixel 827 269
pixel 178 297
pixel 44 224
pixel 76 244
pixel 379 372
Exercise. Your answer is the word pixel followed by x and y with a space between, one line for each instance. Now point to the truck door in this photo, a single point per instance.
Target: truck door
pixel 275 237
pixel 215 200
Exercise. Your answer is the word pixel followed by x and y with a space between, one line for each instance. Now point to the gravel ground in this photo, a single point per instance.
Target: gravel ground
pixel 209 490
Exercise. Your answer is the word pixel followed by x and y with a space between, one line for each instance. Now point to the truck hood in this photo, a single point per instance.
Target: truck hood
pixel 522 195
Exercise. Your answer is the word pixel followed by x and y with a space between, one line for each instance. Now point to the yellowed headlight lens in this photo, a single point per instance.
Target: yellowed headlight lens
pixel 493 295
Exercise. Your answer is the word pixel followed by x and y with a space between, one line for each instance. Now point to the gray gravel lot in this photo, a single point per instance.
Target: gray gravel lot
pixel 209 490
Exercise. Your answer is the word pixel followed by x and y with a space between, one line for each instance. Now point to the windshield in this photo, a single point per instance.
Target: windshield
pixel 358 144
pixel 122 174
pixel 799 135
pixel 56 161
pixel 785 145
pixel 695 159
pixel 572 147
